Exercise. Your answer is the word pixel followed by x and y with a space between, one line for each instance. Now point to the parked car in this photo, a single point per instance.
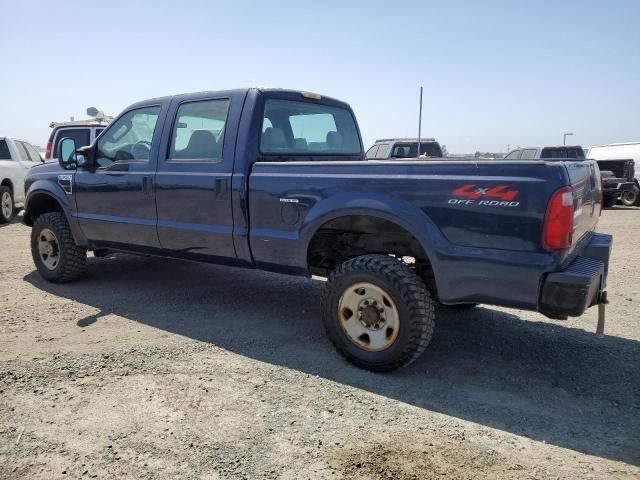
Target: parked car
pixel 617 175
pixel 276 180
pixel 84 132
pixel 403 148
pixel 16 158
pixel 619 154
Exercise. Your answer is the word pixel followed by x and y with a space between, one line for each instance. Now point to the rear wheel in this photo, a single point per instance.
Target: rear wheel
pixel 377 312
pixel 630 197
pixel 7 207
pixel 55 254
pixel 610 201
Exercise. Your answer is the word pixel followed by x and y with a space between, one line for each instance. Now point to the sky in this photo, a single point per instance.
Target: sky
pixel 495 73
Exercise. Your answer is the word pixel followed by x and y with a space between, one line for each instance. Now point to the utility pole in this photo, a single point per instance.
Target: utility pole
pixel 420 125
pixel 565 138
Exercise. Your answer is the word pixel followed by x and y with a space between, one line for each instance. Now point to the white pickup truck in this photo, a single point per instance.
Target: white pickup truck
pixel 16 158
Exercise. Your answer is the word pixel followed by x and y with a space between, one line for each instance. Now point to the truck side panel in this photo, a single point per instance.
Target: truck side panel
pixel 480 223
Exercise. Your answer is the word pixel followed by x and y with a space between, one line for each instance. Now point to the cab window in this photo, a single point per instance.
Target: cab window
pixel 304 128
pixel 372 152
pixel 128 138
pixel 198 133
pixel 515 155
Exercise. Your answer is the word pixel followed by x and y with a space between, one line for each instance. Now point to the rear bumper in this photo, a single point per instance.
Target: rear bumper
pixel 616 186
pixel 568 293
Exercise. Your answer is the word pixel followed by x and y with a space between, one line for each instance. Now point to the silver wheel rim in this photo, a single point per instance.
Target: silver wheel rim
pixel 7 204
pixel 48 248
pixel 369 317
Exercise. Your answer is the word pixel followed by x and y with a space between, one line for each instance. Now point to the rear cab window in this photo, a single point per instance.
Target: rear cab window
pixel 562 152
pixel 292 127
pixel 410 150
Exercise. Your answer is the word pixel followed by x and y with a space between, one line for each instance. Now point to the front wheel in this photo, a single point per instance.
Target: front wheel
pixel 377 312
pixel 630 197
pixel 7 208
pixel 55 254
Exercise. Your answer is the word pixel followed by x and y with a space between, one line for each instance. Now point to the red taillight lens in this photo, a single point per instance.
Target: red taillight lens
pixel 558 223
pixel 47 153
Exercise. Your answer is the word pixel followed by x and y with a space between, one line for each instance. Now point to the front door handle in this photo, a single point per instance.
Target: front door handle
pixel 147 186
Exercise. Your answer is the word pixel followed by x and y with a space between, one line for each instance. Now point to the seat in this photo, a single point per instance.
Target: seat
pixel 334 140
pixel 202 144
pixel 300 144
pixel 273 140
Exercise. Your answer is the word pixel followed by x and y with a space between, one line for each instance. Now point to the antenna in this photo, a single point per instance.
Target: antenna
pixel 420 125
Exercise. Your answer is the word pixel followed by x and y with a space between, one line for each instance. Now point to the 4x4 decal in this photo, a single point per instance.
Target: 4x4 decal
pixel 498 196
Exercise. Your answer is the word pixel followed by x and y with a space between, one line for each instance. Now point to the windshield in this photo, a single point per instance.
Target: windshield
pixel 410 150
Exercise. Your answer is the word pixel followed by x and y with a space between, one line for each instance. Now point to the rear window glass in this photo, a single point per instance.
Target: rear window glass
pixel 304 128
pixel 4 150
pixel 410 150
pixel 198 133
pixel 80 135
pixel 562 152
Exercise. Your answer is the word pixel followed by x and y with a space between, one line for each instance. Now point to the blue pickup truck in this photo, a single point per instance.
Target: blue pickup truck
pixel 277 180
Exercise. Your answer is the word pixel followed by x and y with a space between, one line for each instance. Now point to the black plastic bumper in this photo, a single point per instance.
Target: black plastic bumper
pixel 568 293
pixel 617 186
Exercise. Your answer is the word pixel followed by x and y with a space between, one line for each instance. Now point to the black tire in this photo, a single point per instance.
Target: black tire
pixel 6 195
pixel 610 201
pixel 415 311
pixel 630 197
pixel 71 259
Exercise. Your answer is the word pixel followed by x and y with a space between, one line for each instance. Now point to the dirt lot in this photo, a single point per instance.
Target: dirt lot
pixel 152 368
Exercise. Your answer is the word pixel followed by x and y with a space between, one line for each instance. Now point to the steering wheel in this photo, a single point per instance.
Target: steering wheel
pixel 141 150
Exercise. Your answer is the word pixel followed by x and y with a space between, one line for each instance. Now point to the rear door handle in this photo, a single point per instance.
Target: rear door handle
pixel 147 186
pixel 221 186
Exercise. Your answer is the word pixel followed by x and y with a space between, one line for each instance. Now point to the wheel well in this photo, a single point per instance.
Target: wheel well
pixel 39 204
pixel 343 238
pixel 7 183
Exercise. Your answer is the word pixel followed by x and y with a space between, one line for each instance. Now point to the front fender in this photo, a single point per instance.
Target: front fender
pixel 46 187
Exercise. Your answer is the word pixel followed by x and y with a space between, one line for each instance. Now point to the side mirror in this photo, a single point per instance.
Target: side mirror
pixel 67 157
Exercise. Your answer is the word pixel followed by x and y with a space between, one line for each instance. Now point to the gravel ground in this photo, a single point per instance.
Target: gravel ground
pixel 153 368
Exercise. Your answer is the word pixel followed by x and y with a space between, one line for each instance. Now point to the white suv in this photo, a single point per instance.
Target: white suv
pixel 16 158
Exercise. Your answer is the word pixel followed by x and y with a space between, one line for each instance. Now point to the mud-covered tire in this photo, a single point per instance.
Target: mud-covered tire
pixel 409 296
pixel 7 207
pixel 630 198
pixel 71 259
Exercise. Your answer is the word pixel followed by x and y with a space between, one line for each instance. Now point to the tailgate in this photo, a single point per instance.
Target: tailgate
pixel 587 197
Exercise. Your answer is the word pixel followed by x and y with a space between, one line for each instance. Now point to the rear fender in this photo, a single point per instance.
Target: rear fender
pixel 392 209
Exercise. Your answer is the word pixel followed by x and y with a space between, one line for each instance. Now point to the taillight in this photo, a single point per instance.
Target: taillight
pixel 47 153
pixel 558 223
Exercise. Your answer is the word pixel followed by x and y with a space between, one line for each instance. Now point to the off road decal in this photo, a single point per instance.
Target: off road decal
pixel 498 196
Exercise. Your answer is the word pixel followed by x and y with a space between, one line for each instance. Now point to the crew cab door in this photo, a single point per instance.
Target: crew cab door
pixel 115 200
pixel 193 182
